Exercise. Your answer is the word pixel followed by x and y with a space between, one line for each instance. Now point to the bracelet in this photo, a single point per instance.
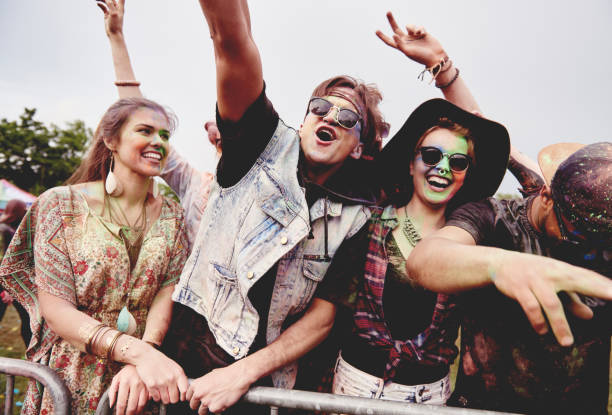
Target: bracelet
pixel 436 69
pixel 90 336
pixel 449 83
pixel 447 65
pixel 102 331
pixel 112 344
pixel 152 344
pixel 127 83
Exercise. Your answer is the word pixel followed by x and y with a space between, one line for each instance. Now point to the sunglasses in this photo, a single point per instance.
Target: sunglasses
pixel 344 117
pixel 457 162
pixel 569 238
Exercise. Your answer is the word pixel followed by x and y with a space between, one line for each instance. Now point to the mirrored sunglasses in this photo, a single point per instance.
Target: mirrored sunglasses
pixel 344 117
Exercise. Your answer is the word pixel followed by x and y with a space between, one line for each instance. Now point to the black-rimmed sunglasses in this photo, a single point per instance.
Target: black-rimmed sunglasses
pixel 457 162
pixel 567 236
pixel 344 117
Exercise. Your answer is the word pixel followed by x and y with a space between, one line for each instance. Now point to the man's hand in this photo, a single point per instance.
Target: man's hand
pixel 219 389
pixel 535 281
pixel 113 15
pixel 415 43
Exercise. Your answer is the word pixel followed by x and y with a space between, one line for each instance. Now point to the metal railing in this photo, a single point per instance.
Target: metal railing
pixel 260 395
pixel 52 382
pixel 327 402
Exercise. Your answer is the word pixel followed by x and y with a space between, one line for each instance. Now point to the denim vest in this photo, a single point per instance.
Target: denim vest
pixel 246 229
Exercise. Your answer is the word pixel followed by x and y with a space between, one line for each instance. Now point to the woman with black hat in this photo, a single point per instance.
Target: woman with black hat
pixel 402 339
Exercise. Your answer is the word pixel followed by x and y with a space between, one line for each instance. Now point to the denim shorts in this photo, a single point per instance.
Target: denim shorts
pixel 348 380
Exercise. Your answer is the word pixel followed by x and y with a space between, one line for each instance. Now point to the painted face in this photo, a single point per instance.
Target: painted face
pixel 436 185
pixel 143 143
pixel 325 143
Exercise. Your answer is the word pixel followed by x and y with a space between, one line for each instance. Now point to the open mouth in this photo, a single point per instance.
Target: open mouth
pixel 152 155
pixel 438 182
pixel 326 134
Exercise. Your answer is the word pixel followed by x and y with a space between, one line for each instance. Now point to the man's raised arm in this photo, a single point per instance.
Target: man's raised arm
pixel 239 71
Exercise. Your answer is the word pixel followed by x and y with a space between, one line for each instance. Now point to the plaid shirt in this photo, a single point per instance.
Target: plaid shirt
pixel 433 346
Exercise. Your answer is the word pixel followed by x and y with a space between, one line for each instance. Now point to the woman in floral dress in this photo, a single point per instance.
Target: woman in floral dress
pixel 95 263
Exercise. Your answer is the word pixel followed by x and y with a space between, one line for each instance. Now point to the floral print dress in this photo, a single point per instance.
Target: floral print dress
pixel 80 257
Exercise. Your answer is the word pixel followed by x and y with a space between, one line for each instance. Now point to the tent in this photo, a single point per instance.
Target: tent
pixel 9 191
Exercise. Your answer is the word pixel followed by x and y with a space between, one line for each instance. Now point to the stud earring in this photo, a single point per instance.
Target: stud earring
pixel 112 185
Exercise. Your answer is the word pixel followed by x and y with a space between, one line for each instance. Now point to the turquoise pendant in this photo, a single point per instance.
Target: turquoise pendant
pixel 126 322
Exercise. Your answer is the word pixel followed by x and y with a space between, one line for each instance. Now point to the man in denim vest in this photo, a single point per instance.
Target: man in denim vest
pixel 249 302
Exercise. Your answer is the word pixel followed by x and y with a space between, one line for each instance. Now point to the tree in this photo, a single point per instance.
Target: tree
pixel 36 157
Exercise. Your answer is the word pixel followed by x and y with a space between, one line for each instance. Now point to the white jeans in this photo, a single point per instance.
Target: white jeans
pixel 348 380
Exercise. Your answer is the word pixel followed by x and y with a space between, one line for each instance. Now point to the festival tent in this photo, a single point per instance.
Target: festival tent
pixel 9 191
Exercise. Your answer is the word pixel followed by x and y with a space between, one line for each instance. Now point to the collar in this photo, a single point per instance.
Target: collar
pixel 525 219
pixel 352 184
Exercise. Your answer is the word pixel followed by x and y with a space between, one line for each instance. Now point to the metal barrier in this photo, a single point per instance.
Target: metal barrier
pixel 51 381
pixel 260 395
pixel 326 402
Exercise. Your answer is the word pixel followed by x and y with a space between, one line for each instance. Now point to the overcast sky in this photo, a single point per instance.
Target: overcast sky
pixel 542 68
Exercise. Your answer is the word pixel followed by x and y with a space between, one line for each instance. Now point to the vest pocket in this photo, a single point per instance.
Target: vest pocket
pixel 225 302
pixel 313 271
pixel 315 267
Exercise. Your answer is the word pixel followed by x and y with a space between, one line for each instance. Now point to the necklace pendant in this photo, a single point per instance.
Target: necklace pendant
pixel 126 322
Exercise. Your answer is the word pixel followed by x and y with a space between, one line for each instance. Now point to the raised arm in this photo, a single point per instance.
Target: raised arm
pixel 239 70
pixel 125 80
pixel 425 49
pixel 533 281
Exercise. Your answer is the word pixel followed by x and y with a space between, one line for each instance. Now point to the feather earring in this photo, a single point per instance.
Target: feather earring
pixel 154 188
pixel 112 184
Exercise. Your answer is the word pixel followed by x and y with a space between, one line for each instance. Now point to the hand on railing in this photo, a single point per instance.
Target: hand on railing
pixel 130 392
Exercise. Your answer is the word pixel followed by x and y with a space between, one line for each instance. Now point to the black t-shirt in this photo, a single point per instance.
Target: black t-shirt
pixel 408 309
pixel 505 365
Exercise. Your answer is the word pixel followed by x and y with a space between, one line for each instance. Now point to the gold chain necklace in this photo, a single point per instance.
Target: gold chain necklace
pixel 132 235
pixel 410 231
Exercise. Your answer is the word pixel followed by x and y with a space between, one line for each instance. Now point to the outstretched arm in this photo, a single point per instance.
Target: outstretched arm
pixel 221 388
pixel 425 49
pixel 239 70
pixel 113 24
pixel 533 281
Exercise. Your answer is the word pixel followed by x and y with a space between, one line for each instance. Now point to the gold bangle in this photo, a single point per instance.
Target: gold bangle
pixel 103 342
pixel 109 353
pixel 92 333
pixel 98 338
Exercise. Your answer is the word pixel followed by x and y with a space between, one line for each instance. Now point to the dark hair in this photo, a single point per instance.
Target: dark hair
pixel 403 193
pixel 96 163
pixel 582 189
pixel 375 127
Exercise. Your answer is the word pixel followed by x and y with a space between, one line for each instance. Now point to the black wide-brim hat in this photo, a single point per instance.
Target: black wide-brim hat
pixel 491 151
